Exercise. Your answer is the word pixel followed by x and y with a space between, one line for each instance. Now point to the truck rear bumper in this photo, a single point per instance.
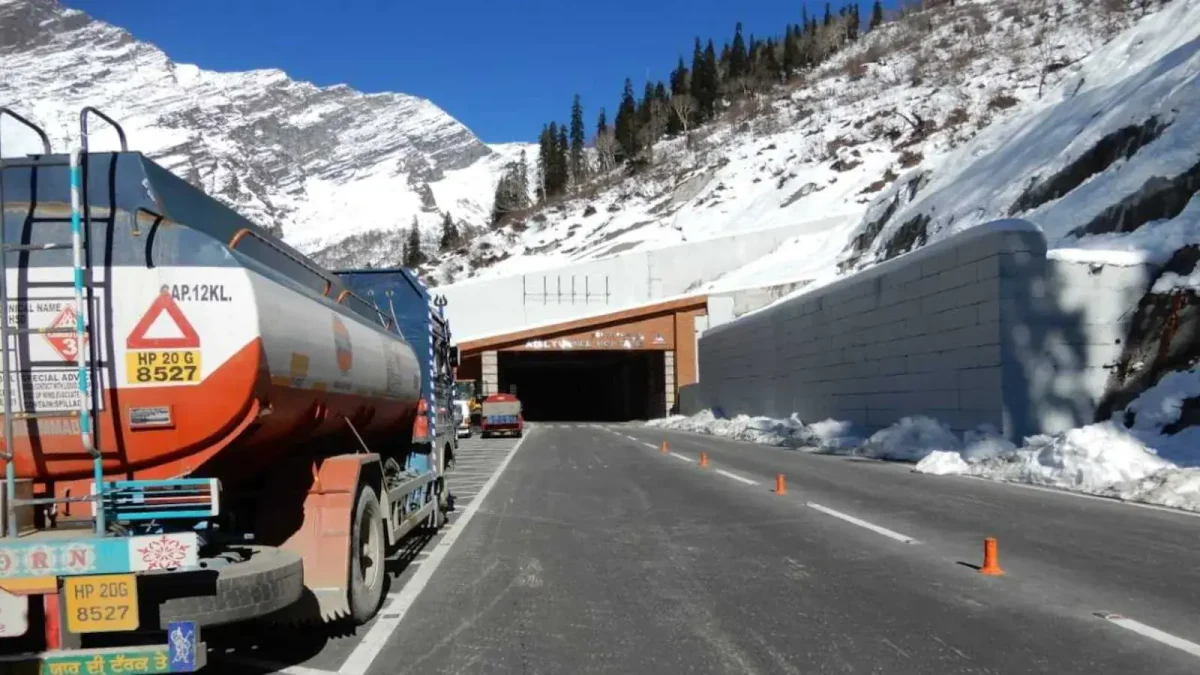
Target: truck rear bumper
pixel 180 657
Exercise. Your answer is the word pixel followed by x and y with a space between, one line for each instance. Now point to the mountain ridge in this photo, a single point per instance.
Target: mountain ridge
pixel 318 165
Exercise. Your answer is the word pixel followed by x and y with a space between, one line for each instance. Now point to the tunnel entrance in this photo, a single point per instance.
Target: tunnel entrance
pixel 585 386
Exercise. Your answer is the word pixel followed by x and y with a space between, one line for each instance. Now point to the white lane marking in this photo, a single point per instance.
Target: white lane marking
pixel 271 666
pixel 1153 633
pixel 393 612
pixel 683 457
pixel 650 445
pixel 736 477
pixel 862 523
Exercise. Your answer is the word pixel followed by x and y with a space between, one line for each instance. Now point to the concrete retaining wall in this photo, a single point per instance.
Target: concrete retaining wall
pixel 493 306
pixel 979 328
pixel 690 401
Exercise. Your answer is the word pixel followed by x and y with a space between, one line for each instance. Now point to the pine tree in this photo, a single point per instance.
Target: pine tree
pixel 791 56
pixel 450 235
pixel 828 15
pixel 626 126
pixel 660 92
pixel 563 158
pixel 553 168
pixel 679 79
pixel 737 55
pixel 697 85
pixel 520 186
pixel 577 140
pixel 770 67
pixel 712 79
pixel 499 205
pixel 413 257
pixel 877 15
pixel 645 105
pixel 601 123
pixel 512 191
pixel 545 150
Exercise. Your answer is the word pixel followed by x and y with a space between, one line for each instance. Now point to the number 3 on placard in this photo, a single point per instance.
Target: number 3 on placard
pixel 69 347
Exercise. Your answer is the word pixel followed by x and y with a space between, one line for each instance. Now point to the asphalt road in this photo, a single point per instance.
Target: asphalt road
pixel 261 649
pixel 596 553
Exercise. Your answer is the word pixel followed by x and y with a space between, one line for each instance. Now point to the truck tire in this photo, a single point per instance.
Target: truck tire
pixel 367 552
pixel 268 580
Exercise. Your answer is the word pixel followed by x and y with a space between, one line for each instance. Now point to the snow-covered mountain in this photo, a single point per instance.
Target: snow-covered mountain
pixel 336 171
pixel 937 121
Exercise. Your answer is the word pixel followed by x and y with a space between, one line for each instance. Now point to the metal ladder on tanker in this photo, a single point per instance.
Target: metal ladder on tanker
pixel 83 330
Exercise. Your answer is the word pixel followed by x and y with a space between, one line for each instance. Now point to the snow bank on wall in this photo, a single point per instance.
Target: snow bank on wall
pixel 1149 462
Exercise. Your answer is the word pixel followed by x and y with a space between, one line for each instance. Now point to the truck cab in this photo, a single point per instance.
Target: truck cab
pixel 501 415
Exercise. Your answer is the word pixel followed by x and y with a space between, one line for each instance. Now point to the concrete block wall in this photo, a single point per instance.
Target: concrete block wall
pixel 978 328
pixel 485 307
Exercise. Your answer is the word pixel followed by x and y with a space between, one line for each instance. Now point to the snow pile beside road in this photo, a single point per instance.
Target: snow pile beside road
pixel 1143 463
pixel 1151 461
pixel 791 432
pixel 909 440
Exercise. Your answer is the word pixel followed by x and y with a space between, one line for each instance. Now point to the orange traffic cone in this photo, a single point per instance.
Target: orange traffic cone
pixel 780 485
pixel 991 566
pixel 663 448
pixel 703 460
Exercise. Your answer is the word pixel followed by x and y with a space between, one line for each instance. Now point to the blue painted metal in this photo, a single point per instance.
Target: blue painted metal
pixel 183 639
pixel 400 293
pixel 179 499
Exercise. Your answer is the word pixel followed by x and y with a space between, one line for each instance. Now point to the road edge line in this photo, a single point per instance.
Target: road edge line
pixel 892 534
pixel 679 456
pixel 373 642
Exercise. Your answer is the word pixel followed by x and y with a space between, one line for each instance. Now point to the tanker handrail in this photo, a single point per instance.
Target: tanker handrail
pixel 387 324
pixel 242 233
pixel 36 129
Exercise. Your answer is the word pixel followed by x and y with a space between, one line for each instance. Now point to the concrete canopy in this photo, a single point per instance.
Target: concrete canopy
pixel 668 327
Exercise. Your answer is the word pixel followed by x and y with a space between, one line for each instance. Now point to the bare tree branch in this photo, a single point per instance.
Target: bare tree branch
pixel 683 105
pixel 606 149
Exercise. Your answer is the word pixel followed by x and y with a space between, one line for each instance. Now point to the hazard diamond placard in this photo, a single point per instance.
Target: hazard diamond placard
pixel 65 344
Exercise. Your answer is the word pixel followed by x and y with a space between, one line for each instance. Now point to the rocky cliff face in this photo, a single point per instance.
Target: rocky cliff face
pixel 320 165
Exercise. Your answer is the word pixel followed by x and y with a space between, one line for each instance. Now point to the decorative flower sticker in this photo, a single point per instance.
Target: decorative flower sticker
pixel 164 553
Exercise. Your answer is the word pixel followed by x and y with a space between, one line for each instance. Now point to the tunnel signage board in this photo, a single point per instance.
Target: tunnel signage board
pixel 645 335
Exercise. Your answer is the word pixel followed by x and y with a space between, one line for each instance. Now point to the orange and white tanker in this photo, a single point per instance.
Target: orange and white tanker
pixel 217 368
pixel 235 393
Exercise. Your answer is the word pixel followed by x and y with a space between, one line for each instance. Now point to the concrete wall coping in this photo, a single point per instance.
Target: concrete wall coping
pixel 900 261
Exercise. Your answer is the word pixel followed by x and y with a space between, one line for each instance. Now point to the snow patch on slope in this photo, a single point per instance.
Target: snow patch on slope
pixel 1147 73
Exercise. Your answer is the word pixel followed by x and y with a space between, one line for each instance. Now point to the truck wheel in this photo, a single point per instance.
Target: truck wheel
pixel 367 573
pixel 264 580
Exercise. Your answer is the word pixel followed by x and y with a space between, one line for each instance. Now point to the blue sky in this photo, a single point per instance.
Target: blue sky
pixel 502 68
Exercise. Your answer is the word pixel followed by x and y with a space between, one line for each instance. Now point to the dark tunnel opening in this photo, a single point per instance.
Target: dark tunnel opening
pixel 585 386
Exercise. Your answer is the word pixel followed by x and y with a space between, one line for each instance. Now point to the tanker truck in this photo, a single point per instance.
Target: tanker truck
pixel 201 426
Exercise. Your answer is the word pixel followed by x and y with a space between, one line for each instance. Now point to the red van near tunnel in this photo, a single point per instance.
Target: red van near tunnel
pixel 501 415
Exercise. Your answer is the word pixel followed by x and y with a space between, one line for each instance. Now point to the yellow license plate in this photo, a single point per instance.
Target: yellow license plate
pixel 162 366
pixel 101 604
